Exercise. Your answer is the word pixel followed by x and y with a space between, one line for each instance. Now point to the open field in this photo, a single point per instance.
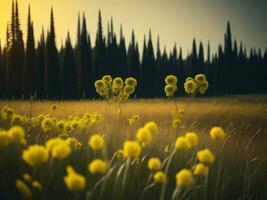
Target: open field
pixel 239 170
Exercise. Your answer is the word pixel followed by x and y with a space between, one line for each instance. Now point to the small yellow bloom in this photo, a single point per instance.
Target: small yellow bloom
pixel 17 134
pixel 131 81
pixel 50 144
pixel 190 86
pixel 37 185
pixel 96 142
pixel 217 133
pixel 160 177
pixel 143 135
pixel 184 178
pixel 192 138
pixel 24 189
pixel 35 155
pixel 201 170
pixel 73 180
pixel 5 138
pixel 152 127
pixel 131 149
pixel 154 164
pixel 119 154
pixel 98 166
pixel 47 124
pixel 54 107
pixel 171 80
pixel 27 177
pixel 182 143
pixel 200 78
pixel 205 156
pixel 61 151
pixel 203 87
pixel 170 90
pixel 107 79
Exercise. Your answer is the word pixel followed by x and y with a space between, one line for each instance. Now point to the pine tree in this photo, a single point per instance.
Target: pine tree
pixel 69 71
pixel 228 59
pixel 201 59
pixel 122 65
pixel 85 63
pixel 52 73
pixel 30 63
pixel 15 55
pixel 159 79
pixel 99 51
pixel 40 69
pixel 181 73
pixel 149 70
pixel 192 71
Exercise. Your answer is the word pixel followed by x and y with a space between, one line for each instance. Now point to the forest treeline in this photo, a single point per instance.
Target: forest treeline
pixel 42 71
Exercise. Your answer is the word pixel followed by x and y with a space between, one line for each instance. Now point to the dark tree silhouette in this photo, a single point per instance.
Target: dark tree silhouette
pixel 70 73
pixel 30 63
pixel 40 68
pixel 52 72
pixel 15 55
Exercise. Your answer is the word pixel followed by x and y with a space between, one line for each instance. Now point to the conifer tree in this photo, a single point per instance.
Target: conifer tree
pixel 40 68
pixel 30 63
pixel 52 71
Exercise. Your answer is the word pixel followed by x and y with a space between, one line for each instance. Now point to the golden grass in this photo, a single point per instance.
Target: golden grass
pixel 243 118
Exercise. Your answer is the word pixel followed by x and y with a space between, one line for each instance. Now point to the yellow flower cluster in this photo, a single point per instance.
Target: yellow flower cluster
pixel 35 155
pixel 131 149
pixel 73 180
pixel 171 85
pixel 144 134
pixel 154 164
pixel 217 133
pixel 133 120
pixel 96 142
pixel 115 89
pixel 186 142
pixel 98 166
pixel 197 85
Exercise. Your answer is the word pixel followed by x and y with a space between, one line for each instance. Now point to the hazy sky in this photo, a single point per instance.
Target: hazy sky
pixel 174 20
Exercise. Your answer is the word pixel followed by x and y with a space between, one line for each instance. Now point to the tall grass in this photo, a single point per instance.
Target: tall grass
pixel 239 171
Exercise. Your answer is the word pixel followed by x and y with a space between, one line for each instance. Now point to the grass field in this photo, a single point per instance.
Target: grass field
pixel 239 170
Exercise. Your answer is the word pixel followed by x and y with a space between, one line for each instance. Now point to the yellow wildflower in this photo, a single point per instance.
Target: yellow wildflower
pixel 205 156
pixel 5 138
pixel 154 164
pixel 17 134
pixel 201 170
pixel 61 151
pixel 192 138
pixel 96 142
pixel 73 180
pixel 98 166
pixel 217 133
pixel 24 189
pixel 151 126
pixel 27 177
pixel 143 135
pixel 182 143
pixel 35 155
pixel 131 149
pixel 160 177
pixel 184 178
pixel 171 80
pixel 37 185
pixel 190 87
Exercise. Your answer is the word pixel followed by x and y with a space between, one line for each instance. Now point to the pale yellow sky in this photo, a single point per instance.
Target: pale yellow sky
pixel 174 20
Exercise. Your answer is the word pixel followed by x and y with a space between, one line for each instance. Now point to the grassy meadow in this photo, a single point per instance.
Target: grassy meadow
pixel 238 172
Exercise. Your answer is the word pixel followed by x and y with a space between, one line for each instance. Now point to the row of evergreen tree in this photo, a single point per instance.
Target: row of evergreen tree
pixel 46 72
